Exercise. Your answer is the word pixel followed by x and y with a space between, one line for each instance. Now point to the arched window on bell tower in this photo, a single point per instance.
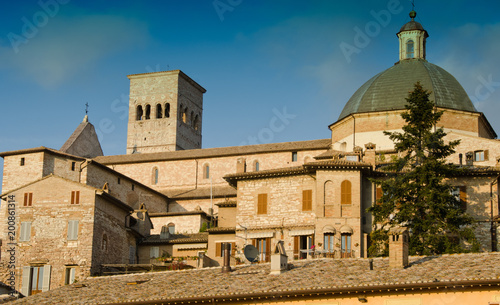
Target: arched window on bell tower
pixel 139 113
pixel 410 49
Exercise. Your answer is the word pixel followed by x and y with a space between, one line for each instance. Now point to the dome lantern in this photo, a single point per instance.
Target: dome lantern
pixel 412 39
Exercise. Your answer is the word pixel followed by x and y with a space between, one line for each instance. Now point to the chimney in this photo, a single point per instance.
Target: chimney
pixel 369 153
pixel 241 165
pixel 279 259
pixel 398 248
pixel 226 247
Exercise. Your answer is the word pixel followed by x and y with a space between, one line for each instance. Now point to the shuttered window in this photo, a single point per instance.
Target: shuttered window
pixel 73 230
pixel 463 197
pixel 219 251
pixel 378 195
pixel 306 200
pixel 345 192
pixel 28 199
pixel 75 197
pixel 262 204
pixel 25 234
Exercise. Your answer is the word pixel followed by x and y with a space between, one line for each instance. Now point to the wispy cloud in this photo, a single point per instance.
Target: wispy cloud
pixel 67 45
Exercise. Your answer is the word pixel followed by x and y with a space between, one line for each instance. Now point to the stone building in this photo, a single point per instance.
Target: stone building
pixel 154 201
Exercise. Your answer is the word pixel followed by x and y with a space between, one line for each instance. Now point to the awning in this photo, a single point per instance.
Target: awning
pixel 190 246
pixel 345 229
pixel 301 232
pixel 329 229
pixel 260 234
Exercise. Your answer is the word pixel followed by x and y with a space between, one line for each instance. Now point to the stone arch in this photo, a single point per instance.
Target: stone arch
pixel 147 112
pixel 159 111
pixel 256 165
pixel 139 113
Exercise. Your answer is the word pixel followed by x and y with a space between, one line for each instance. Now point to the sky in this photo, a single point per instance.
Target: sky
pixel 287 61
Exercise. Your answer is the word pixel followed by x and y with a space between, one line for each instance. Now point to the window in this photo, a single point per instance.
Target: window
pixel 185 115
pixel 307 200
pixel 219 251
pixel 351 158
pixel 303 245
pixel 167 110
pixel 139 113
pixel 69 277
pixel 28 199
pixel 171 228
pixel 75 197
pixel 119 180
pixel 154 252
pixel 262 204
pixel 263 245
pixel 73 166
pixel 378 195
pixel 104 245
pixel 206 171
pixel 345 245
pixel 22 161
pixel 460 194
pixel 328 242
pixel 294 156
pixel 159 111
pixel 410 52
pixel 345 192
pixel 25 234
pixel 148 112
pixel 196 123
pixel 35 279
pixel 72 229
pixel 155 175
pixel 481 155
pixel 133 187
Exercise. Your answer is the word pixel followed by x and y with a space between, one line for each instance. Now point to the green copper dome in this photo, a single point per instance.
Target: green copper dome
pixel 388 89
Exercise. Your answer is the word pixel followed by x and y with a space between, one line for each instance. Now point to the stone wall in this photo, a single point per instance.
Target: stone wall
pixel 183 223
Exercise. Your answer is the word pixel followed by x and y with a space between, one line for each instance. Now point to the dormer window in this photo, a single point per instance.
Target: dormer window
pixel 410 49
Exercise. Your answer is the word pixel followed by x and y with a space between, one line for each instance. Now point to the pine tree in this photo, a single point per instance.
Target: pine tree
pixel 415 192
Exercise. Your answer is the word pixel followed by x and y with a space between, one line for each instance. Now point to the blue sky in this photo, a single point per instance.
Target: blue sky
pixel 257 59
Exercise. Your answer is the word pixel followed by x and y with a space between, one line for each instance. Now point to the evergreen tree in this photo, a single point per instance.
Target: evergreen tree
pixel 414 191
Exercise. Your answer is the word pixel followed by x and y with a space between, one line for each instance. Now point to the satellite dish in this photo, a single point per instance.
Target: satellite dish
pixel 251 253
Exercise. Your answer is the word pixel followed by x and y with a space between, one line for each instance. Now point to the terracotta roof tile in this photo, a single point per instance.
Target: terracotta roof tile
pixel 306 278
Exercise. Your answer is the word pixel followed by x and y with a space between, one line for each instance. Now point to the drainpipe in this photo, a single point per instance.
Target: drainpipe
pixel 493 229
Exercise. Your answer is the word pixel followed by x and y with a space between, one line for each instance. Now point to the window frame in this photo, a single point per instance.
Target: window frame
pixel 410 53
pixel 28 199
pixel 75 198
pixel 295 156
pixel 25 231
pixel 73 228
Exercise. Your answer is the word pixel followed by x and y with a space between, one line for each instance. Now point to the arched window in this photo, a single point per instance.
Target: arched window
pixel 171 228
pixel 196 123
pixel 206 171
pixel 139 113
pixel 185 115
pixel 148 112
pixel 345 192
pixel 410 49
pixel 159 112
pixel 155 175
pixel 256 166
pixel 167 110
pixel 104 245
pixel 328 207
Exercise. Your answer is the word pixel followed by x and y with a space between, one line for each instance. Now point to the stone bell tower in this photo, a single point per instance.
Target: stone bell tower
pixel 165 112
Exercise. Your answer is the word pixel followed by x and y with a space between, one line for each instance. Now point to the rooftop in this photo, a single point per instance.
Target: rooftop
pixel 324 277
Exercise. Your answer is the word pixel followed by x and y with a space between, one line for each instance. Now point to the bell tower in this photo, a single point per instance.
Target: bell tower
pixel 165 112
pixel 412 39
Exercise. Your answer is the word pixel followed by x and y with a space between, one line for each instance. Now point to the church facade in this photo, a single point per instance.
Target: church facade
pixel 76 210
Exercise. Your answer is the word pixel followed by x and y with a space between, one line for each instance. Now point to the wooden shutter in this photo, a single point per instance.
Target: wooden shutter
pixel 379 195
pixel 25 199
pixel 296 247
pixel 268 249
pixel 25 234
pixel 307 200
pixel 254 242
pixel 26 281
pixel 218 249
pixel 345 192
pixel 233 248
pixel 262 204
pixel 463 197
pixel 72 229
pixel 486 155
pixel 46 278
pixel 75 197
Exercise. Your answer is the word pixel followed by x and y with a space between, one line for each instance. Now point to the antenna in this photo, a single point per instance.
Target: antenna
pixel 251 253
